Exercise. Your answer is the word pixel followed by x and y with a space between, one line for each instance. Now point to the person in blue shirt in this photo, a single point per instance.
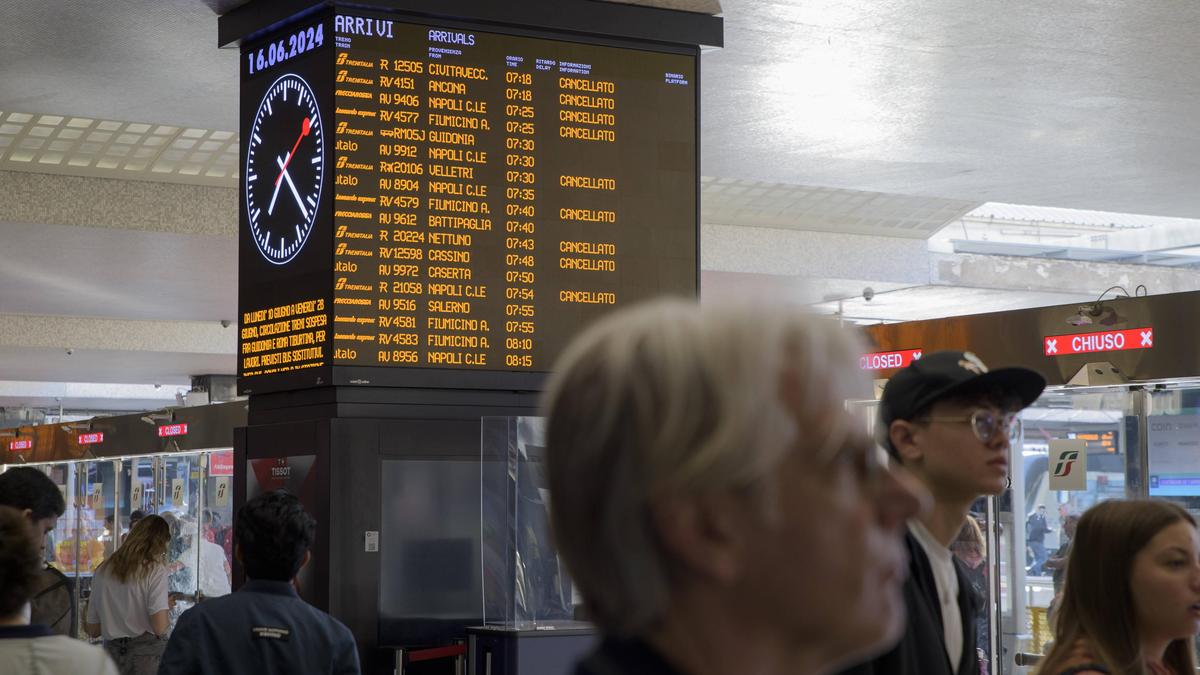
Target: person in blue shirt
pixel 264 626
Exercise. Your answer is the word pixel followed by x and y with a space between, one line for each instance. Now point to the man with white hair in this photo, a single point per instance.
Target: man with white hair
pixel 719 507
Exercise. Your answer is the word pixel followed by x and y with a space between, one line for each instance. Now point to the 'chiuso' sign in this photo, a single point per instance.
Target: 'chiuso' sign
pixel 1107 341
pixel 888 360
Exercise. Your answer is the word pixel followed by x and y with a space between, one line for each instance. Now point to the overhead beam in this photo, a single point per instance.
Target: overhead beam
pixel 259 17
pixel 1055 276
pixel 84 395
pixel 699 6
pixel 813 255
pixel 51 199
pixel 75 332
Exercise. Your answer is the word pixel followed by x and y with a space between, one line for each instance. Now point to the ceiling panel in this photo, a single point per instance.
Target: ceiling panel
pixel 932 302
pixel 34 364
pixel 150 61
pixel 1078 105
pixel 726 201
pixel 1085 105
pixel 84 146
pixel 91 271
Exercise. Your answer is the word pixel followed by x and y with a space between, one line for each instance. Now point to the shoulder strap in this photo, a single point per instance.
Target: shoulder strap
pixel 42 601
pixel 59 580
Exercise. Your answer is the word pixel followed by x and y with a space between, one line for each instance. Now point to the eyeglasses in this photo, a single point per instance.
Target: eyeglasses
pixel 986 423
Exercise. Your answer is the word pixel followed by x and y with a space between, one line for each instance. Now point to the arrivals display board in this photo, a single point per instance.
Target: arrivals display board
pixel 422 198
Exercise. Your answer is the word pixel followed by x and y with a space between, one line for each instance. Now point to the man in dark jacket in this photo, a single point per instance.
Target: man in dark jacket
pixel 263 627
pixel 1036 530
pixel 31 492
pixel 947 419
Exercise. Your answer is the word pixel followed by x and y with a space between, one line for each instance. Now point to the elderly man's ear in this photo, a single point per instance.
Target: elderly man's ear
pixel 704 534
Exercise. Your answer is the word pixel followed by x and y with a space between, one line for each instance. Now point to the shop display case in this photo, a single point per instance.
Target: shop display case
pixel 525 583
pixel 192 491
pixel 531 610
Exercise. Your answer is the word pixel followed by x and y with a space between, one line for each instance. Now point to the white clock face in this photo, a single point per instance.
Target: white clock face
pixel 284 168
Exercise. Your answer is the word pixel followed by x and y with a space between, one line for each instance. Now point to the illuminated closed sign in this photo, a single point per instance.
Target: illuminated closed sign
pixel 90 439
pixel 172 430
pixel 1106 341
pixel 22 444
pixel 888 360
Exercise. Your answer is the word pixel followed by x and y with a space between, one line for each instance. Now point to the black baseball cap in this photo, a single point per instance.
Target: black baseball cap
pixel 939 375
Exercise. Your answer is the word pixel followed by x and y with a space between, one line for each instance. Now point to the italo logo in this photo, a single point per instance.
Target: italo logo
pixel 1063 468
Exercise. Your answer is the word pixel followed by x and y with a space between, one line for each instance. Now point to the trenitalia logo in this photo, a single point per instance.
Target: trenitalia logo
pixel 1063 468
pixel 1107 341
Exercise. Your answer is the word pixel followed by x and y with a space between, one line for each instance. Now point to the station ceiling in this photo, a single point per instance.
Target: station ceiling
pixel 933 106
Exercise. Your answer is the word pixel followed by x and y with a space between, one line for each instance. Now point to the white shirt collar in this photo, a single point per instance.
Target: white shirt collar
pixel 932 546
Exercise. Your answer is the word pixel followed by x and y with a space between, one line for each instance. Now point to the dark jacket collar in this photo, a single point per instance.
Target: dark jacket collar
pixel 36 630
pixel 921 574
pixel 617 656
pixel 269 587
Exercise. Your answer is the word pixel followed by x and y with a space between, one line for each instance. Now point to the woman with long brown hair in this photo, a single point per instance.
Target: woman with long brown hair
pixel 1131 602
pixel 129 601
pixel 970 547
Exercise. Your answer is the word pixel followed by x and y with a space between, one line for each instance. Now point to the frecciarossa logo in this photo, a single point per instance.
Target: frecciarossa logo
pixel 1106 341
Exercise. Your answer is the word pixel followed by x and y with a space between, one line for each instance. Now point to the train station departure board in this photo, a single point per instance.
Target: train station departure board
pixel 423 197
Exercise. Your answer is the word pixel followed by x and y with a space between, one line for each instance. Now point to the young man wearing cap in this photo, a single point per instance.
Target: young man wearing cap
pixel 947 419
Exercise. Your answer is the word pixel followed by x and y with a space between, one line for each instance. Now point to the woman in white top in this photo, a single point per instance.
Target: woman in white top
pixel 129 602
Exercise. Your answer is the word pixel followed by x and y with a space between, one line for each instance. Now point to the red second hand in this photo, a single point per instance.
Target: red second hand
pixel 304 129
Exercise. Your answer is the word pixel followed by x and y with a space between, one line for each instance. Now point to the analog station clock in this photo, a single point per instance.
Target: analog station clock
pixel 284 162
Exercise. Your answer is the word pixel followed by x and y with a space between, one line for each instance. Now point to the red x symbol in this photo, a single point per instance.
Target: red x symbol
pixel 1052 346
pixel 1148 338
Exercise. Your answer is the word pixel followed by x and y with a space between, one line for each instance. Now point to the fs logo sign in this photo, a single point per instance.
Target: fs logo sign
pixel 1063 468
pixel 1068 464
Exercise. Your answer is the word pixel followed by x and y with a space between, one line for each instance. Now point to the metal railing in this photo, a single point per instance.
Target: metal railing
pixel 457 651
